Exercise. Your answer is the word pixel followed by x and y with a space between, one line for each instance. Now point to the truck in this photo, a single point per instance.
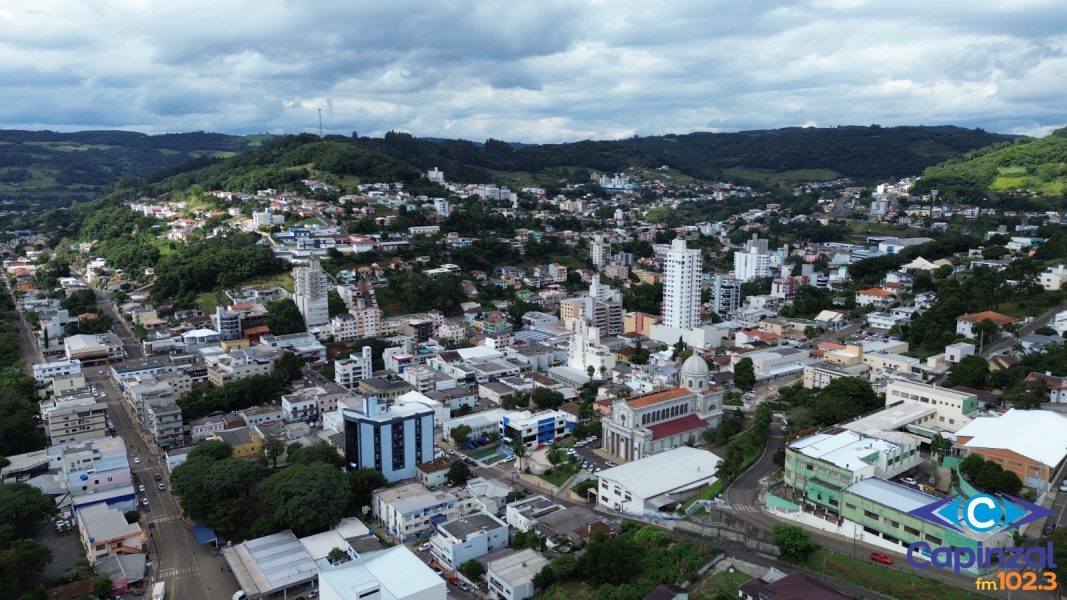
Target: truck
pixel 159 590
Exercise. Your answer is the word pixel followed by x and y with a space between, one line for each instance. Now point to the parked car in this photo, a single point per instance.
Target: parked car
pixel 144 502
pixel 1050 527
pixel 1063 486
pixel 909 480
pixel 158 477
pixel 878 557
pixel 137 460
pixel 140 488
pixel 162 487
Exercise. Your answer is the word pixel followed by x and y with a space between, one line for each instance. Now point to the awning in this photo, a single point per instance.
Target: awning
pixel 205 534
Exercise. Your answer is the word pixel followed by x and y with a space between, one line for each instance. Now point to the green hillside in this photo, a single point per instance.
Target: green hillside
pixel 865 153
pixel 1027 165
pixel 50 168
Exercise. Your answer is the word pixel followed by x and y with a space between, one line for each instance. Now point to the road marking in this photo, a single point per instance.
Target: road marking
pixel 745 508
pixel 164 519
pixel 177 572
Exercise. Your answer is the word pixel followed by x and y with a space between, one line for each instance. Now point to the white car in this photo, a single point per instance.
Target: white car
pixel 137 460
pixel 1063 486
pixel 144 501
pixel 140 488
pixel 909 480
pixel 424 547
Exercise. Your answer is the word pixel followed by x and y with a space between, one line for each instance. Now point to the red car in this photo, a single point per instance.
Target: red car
pixel 878 557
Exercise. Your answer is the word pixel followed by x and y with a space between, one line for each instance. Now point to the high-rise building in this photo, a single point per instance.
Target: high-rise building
pixel 391 439
pixel 309 292
pixel 599 251
pixel 681 289
pixel 753 261
pixel 725 295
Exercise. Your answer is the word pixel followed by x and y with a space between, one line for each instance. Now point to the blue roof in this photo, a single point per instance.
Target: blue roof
pixel 205 534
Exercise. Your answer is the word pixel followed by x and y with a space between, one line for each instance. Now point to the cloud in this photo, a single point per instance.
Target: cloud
pixel 550 71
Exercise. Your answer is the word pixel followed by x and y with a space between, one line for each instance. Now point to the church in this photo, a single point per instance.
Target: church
pixel 651 423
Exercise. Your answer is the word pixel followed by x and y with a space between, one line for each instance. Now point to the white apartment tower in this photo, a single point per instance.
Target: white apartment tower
pixel 599 251
pixel 309 293
pixel 752 262
pixel 681 289
pixel 726 295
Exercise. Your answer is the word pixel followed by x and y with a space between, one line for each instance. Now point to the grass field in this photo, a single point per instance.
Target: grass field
pixel 707 493
pixel 902 586
pixel 207 301
pixel 559 474
pixel 720 583
pixel 568 590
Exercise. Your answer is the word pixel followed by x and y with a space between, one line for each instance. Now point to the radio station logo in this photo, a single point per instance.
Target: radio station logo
pixel 983 514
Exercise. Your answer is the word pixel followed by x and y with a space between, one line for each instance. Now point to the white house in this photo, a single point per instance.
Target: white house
pixel 466 538
pixel 511 577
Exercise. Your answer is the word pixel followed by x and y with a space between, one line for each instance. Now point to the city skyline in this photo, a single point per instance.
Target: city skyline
pixel 551 72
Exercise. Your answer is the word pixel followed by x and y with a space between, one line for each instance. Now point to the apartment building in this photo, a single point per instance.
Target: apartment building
pixel 408 512
pixel 954 408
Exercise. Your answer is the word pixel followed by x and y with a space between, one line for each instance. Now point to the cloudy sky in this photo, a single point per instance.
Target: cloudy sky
pixel 539 71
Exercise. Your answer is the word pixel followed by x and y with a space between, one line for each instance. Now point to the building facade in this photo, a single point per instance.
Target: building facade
pixel 681 286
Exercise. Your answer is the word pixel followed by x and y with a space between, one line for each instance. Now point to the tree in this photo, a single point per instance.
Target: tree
pixel 547 399
pixel 284 317
pixel 459 473
pixel 472 569
pixel 459 435
pixel 794 542
pixel 307 498
pixel 609 560
pixel 745 374
pixel 214 449
pixel 321 452
pixel 23 506
pixel 985 331
pixel 132 516
pixel 337 556
pixel 971 371
pixel 21 563
pixel 273 448
pixel 289 366
pixel 1027 395
pixel 590 370
pixel 103 587
pixel 335 303
pixel 843 399
pixel 939 446
pixel 989 477
pixel 519 449
pixel 361 485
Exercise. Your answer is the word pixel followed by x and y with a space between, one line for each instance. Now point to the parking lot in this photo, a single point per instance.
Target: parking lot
pixel 583 450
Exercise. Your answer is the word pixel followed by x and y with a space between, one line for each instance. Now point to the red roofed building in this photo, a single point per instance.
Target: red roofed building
pixel 1057 386
pixel 649 424
pixel 964 323
pixel 875 296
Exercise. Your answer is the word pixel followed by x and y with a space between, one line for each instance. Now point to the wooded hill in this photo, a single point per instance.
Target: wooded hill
pixel 54 169
pixel 1001 171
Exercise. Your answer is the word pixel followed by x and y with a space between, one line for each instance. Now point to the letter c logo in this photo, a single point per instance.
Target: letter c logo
pixel 982 513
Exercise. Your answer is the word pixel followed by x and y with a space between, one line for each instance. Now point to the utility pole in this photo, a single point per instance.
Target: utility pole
pixel 320 122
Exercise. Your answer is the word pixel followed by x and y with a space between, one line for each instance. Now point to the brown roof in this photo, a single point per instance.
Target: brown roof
pixel 987 315
pixel 874 292
pixel 795 586
pixel 657 397
pixel 441 464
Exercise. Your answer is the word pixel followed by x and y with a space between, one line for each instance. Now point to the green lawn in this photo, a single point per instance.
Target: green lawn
pixel 559 474
pixel 489 454
pixel 720 583
pixel 707 493
pixel 581 488
pixel 568 590
pixel 879 578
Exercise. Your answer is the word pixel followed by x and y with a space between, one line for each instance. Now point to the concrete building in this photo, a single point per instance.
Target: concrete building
pixel 467 538
pixel 725 294
pixel 392 574
pixel 524 514
pixel 535 429
pixel 227 323
pixel 753 261
pixel 105 532
pixel 821 374
pixel 310 288
pixel 819 466
pixel 350 371
pixel 71 422
pixel 965 323
pixel 511 577
pixel 681 286
pixel 410 511
pixel 778 363
pixel 954 408
pixel 656 422
pixel 389 439
pixel 657 482
pixel 42 372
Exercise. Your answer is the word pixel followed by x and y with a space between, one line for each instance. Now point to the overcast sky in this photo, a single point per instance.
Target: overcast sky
pixel 539 71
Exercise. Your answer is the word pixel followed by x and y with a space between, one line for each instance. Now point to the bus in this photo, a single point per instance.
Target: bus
pixel 159 590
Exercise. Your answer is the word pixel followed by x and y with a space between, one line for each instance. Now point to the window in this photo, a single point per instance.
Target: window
pixel 870 515
pixel 933 539
pixel 850 506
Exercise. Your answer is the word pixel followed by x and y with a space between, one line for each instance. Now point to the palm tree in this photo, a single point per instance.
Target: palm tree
pixel 939 446
pixel 520 451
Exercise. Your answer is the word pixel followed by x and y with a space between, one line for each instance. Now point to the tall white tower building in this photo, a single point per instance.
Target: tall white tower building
pixel 753 261
pixel 681 288
pixel 599 251
pixel 309 293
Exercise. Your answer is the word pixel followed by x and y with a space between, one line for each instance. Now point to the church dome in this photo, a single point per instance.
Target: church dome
pixel 694 366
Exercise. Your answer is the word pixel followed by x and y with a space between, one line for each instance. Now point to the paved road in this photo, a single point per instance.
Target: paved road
pixel 190 570
pixel 27 343
pixel 1025 330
